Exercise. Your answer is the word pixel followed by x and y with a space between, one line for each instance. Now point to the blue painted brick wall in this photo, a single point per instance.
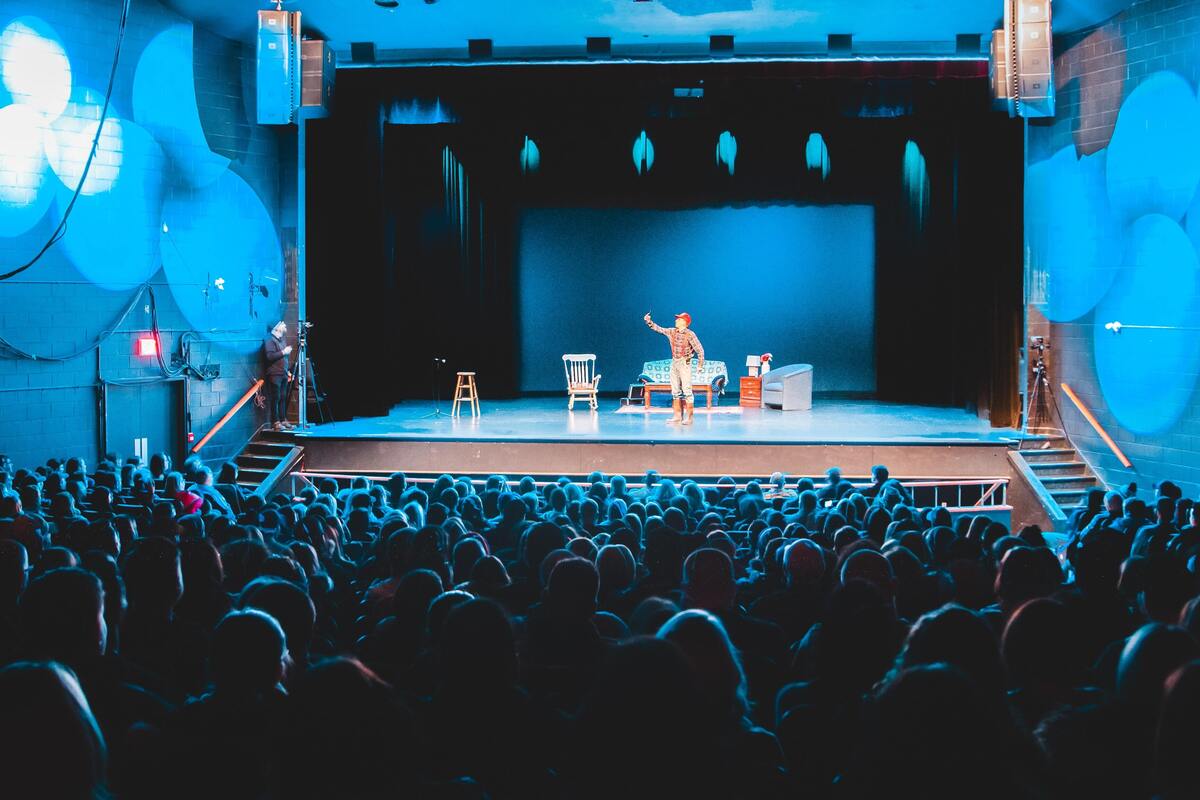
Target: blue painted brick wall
pixel 1095 71
pixel 51 409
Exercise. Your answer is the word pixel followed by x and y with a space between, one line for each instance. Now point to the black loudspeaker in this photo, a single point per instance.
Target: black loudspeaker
pixel 839 44
pixel 720 44
pixel 967 44
pixel 479 48
pixel 362 52
pixel 599 46
pixel 278 67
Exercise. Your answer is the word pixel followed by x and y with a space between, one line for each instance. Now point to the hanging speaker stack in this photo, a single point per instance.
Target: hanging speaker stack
pixel 278 67
pixel 1022 60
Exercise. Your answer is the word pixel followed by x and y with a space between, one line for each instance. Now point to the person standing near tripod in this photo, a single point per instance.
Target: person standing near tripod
pixel 276 353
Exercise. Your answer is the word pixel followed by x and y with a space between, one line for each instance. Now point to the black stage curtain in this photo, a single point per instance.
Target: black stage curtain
pixel 412 227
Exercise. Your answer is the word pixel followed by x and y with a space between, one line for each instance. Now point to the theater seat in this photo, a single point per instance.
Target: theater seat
pixel 788 387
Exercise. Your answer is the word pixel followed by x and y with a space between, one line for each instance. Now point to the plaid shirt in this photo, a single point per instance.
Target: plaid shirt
pixel 684 343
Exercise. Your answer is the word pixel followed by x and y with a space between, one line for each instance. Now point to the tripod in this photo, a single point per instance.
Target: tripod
pixel 1042 409
pixel 437 413
pixel 304 381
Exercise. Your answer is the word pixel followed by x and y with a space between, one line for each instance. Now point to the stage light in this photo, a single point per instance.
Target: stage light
pixel 220 284
pixel 643 153
pixel 147 345
pixel 1114 326
pixel 816 154
pixel 531 157
pixel 916 182
pixel 726 150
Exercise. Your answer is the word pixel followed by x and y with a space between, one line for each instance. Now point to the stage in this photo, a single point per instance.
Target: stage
pixel 546 419
pixel 540 437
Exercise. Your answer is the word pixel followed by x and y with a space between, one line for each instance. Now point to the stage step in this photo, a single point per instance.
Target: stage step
pixel 1065 482
pixel 1068 498
pixel 1045 469
pixel 1060 476
pixel 1049 455
pixel 253 460
pixel 267 459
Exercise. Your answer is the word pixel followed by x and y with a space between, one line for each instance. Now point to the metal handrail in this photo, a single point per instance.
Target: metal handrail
pixel 1095 423
pixel 228 415
pixel 997 487
pixel 285 467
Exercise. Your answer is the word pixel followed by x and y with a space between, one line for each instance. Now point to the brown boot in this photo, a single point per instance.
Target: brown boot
pixel 676 412
pixel 689 410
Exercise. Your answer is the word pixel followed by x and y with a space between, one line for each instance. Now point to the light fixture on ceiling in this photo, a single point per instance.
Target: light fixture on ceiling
pixel 388 4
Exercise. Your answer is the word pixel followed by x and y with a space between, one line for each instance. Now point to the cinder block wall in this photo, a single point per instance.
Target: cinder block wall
pixel 1095 73
pixel 65 302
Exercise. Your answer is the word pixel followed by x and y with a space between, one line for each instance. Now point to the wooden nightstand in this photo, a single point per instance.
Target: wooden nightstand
pixel 750 391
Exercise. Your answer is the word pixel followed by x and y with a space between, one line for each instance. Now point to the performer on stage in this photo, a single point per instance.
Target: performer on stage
pixel 684 343
pixel 276 353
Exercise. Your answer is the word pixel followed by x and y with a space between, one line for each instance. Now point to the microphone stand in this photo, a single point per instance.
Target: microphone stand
pixel 437 412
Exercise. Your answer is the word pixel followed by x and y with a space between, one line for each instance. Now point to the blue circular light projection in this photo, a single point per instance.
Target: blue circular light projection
pixel 220 252
pixel 25 193
pixel 1192 222
pixel 1153 161
pixel 1148 375
pixel 69 138
pixel 1074 242
pixel 34 67
pixel 112 235
pixel 164 101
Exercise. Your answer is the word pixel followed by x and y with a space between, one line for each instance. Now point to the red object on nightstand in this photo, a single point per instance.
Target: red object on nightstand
pixel 750 392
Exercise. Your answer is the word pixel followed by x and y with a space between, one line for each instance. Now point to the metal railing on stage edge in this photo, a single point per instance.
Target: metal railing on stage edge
pixel 958 495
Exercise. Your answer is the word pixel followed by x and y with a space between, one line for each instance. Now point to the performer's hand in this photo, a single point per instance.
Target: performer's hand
pixel 647 317
pixel 701 365
pixel 287 350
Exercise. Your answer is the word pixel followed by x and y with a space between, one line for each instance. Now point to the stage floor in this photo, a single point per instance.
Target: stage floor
pixel 548 420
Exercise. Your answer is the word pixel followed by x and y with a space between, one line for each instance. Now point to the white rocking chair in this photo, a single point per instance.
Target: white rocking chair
pixel 582 378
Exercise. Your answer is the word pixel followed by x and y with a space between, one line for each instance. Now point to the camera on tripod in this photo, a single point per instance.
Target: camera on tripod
pixel 1039 343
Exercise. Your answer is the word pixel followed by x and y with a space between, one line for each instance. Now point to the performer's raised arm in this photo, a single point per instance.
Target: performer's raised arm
pixel 656 328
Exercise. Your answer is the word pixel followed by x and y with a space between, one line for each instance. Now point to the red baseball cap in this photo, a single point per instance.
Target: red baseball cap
pixel 686 317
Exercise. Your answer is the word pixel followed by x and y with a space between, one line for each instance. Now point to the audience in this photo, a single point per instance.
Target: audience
pixel 165 633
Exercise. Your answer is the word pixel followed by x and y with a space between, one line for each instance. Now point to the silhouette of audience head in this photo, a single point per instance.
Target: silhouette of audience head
pixel 707 647
pixel 248 654
pixel 708 580
pixel 50 744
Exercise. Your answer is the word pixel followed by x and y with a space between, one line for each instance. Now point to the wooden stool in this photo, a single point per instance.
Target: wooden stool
pixel 465 391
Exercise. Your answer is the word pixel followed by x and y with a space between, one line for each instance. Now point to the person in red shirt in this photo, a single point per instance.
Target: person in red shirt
pixel 684 344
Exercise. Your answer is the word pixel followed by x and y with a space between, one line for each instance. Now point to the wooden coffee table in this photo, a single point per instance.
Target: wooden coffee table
pixel 699 388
